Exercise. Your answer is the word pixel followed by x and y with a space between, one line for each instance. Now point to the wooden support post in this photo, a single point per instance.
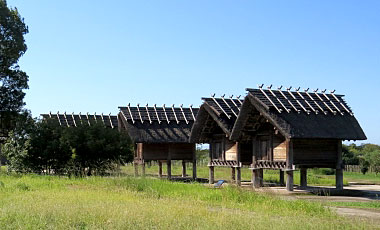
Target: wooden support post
pixel 339 167
pixel 143 168
pixel 255 178
pixel 211 175
pixel 194 163
pixel 160 169
pixel 282 178
pixel 303 177
pixel 169 168
pixel 238 168
pixel 261 177
pixel 232 174
pixel 238 176
pixel 289 165
pixel 183 169
pixel 136 168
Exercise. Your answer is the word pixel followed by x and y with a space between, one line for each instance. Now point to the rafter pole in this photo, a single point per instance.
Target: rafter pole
pixel 109 117
pixel 72 116
pixel 50 114
pixel 101 115
pixel 275 96
pixel 138 111
pixel 336 98
pixel 229 106
pixel 312 99
pixel 286 98
pixel 96 120
pixel 270 100
pixel 166 115
pixel 299 103
pixel 67 123
pixel 336 107
pixel 191 110
pixel 60 124
pixel 312 108
pixel 88 120
pixel 175 115
pixel 232 100
pixel 130 113
pixel 183 114
pixel 240 101
pixel 323 101
pixel 216 102
pixel 147 111
pixel 155 110
pixel 80 118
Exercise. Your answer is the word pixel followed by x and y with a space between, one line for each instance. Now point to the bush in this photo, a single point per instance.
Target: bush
pixel 46 147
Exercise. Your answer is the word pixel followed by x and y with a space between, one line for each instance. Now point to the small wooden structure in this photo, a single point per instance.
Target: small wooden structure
pixel 213 125
pixel 295 129
pixel 160 134
pixel 72 120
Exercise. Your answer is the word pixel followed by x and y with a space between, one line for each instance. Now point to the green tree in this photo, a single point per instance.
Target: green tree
pixel 12 46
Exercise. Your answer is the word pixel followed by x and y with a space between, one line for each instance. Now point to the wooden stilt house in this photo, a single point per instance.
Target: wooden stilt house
pixel 213 125
pixel 297 129
pixel 73 120
pixel 160 134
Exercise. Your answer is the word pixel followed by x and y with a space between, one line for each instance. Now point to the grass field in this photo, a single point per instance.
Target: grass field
pixel 49 202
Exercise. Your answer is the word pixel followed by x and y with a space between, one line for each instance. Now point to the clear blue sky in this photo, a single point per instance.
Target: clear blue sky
pixel 93 56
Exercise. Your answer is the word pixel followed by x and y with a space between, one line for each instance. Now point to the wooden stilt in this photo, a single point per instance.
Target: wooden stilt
pixel 303 177
pixel 238 176
pixel 211 175
pixel 232 174
pixel 169 168
pixel 339 167
pixel 261 177
pixel 194 164
pixel 183 169
pixel 289 165
pixel 282 178
pixel 255 178
pixel 136 168
pixel 289 180
pixel 143 169
pixel 160 169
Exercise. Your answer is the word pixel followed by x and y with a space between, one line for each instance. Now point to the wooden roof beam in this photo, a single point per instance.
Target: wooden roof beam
pixel 191 110
pixel 88 120
pixel 323 101
pixel 312 108
pixel 274 95
pixel 138 111
pixel 232 100
pixel 72 116
pixel 336 98
pixel 312 99
pixel 270 100
pixel 60 124
pixel 96 121
pixel 80 118
pixel 229 106
pixel 175 115
pixel 109 117
pixel 286 98
pixel 166 116
pixel 130 113
pixel 238 97
pixel 183 114
pixel 155 110
pixel 67 123
pixel 216 102
pixel 147 111
pixel 336 107
pixel 299 103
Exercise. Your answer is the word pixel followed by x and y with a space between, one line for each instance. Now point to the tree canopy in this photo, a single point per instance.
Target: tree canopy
pixel 12 46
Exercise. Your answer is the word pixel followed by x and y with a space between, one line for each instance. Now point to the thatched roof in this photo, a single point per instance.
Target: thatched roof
pixel 72 120
pixel 215 114
pixel 299 114
pixel 152 124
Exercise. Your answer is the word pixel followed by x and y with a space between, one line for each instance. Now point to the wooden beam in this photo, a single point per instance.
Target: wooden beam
pixel 183 114
pixel 183 169
pixel 289 165
pixel 303 177
pixel 339 167
pixel 159 169
pixel 211 174
pixel 194 163
pixel 130 114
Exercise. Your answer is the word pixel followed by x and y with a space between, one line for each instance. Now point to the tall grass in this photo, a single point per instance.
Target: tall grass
pixel 49 202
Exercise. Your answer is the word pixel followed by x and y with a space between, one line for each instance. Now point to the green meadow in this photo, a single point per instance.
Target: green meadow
pixel 52 202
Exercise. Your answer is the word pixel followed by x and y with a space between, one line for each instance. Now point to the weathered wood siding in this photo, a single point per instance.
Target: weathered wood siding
pixel 315 152
pixel 231 150
pixel 178 151
pixel 279 148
